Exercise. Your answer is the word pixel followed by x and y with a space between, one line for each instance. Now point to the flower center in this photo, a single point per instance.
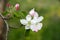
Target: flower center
pixel 29 23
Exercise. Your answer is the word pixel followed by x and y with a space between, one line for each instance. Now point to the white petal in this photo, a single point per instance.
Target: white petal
pixel 36 15
pixel 23 21
pixel 32 12
pixel 28 18
pixel 40 19
pixel 34 21
pixel 39 26
pixel 34 28
pixel 27 27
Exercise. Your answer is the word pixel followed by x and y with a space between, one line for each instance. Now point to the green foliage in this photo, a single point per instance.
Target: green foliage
pixel 50 9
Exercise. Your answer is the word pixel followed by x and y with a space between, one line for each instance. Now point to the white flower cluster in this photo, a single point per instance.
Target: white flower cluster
pixel 32 21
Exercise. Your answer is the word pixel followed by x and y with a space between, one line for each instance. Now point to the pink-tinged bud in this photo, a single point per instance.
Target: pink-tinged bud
pixel 17 6
pixel 8 4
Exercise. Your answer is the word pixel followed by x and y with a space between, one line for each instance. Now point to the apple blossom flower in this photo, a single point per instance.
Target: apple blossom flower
pixel 32 21
pixel 17 6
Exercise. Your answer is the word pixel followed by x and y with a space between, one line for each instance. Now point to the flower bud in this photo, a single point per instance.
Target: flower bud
pixel 17 6
pixel 8 5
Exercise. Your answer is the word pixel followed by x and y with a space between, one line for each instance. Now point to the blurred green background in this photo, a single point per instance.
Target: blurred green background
pixel 49 9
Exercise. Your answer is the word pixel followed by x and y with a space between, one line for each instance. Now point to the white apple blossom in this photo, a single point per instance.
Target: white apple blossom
pixel 32 21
